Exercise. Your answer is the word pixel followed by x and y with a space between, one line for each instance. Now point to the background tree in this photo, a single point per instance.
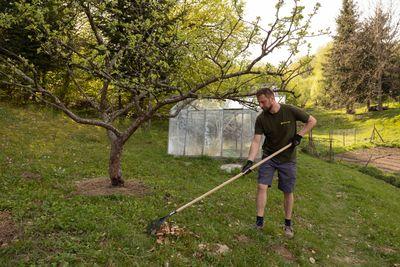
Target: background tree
pixel 381 34
pixel 20 34
pixel 140 57
pixel 391 85
pixel 340 70
pixel 310 86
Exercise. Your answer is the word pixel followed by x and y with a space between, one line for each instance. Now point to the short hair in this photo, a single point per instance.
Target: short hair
pixel 265 91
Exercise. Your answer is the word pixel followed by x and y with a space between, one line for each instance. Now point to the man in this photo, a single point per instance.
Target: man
pixel 278 123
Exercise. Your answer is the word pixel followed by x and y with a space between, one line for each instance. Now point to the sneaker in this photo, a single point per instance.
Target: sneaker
pixel 289 232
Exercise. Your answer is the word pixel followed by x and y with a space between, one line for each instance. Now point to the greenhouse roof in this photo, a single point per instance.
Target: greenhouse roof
pixel 216 104
pixel 212 104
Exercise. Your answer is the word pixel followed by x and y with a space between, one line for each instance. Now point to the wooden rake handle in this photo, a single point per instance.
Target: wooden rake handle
pixel 232 179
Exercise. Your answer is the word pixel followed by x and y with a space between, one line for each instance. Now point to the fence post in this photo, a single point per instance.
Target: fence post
pixel 372 134
pixel 355 138
pixel 330 146
pixel 376 130
pixel 311 145
pixel 344 138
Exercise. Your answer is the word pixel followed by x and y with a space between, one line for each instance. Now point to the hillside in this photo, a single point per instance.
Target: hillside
pixel 387 122
pixel 341 216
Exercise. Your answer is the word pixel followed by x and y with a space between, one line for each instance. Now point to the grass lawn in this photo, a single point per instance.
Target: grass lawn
pixel 357 128
pixel 341 216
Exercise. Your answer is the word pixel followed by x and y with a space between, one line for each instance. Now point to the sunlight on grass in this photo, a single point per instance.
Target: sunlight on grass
pixel 341 217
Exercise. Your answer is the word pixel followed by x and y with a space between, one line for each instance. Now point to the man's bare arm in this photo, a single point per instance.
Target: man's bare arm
pixel 255 145
pixel 308 126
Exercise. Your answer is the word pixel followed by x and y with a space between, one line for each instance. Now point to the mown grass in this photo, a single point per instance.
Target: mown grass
pixel 341 217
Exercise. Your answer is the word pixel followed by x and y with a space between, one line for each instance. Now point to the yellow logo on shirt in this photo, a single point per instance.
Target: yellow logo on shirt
pixel 285 122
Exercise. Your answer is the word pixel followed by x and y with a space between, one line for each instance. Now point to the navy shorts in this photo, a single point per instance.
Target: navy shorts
pixel 286 174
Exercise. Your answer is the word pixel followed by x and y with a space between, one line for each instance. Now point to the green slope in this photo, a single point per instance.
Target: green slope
pixel 387 122
pixel 341 217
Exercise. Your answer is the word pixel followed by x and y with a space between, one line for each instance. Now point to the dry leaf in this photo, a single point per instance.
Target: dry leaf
pixel 167 230
pixel 222 249
pixel 198 255
pixel 202 246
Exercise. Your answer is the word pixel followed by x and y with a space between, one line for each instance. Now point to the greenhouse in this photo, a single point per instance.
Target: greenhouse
pixel 213 128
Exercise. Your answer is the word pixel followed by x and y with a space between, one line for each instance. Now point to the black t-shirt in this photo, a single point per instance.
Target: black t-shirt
pixel 279 128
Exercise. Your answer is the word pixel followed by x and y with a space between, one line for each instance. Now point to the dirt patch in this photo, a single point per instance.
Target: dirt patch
pixel 8 230
pixel 348 260
pixel 386 250
pixel 384 158
pixel 211 249
pixel 243 239
pixel 31 176
pixel 283 251
pixel 102 187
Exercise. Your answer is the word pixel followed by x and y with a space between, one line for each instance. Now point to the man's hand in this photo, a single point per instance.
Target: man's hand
pixel 247 166
pixel 296 140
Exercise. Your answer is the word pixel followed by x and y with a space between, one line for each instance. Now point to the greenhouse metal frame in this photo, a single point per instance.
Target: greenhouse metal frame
pixel 212 132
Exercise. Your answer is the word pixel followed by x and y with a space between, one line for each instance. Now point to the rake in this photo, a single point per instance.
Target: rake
pixel 154 226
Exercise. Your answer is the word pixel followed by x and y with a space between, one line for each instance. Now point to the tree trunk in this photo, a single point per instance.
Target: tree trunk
pixel 349 108
pixel 120 101
pixel 63 90
pixel 114 168
pixel 42 77
pixel 379 92
pixel 368 104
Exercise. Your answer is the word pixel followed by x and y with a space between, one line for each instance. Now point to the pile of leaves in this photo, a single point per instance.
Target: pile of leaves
pixel 168 230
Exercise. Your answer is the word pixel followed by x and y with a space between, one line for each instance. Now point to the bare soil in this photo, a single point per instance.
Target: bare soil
pixel 384 158
pixel 102 187
pixel 31 176
pixel 8 230
pixel 283 251
pixel 242 239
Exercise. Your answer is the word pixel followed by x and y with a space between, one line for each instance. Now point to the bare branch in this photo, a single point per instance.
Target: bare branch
pixel 57 103
pixel 78 86
pixel 98 36
pixel 182 105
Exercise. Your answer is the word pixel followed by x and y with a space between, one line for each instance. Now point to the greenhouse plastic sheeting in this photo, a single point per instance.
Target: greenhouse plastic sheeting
pixel 215 133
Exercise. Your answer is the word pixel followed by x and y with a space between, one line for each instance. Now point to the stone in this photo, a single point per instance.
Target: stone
pixel 231 167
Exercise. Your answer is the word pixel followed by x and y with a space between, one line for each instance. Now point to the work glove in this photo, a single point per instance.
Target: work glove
pixel 246 167
pixel 296 140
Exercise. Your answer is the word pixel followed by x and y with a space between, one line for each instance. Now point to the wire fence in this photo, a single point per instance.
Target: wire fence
pixel 376 146
pixel 326 144
pixel 229 132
